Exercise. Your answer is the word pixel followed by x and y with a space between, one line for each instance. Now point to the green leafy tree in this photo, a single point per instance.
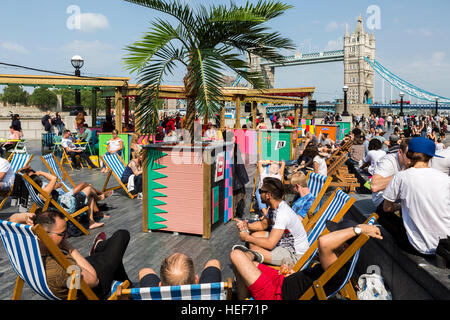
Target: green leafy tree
pixel 43 97
pixel 14 93
pixel 206 42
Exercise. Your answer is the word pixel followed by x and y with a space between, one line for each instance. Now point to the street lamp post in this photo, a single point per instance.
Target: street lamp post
pixel 401 104
pixel 77 63
pixel 437 106
pixel 345 113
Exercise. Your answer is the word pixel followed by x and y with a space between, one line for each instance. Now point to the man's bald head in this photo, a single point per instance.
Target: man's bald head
pixel 177 269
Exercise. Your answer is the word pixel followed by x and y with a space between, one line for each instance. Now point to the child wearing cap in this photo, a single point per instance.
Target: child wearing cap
pixel 424 195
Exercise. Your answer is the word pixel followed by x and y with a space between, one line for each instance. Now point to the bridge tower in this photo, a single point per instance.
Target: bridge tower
pixel 358 75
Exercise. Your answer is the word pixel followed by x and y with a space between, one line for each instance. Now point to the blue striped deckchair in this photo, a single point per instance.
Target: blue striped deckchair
pixel 116 167
pixel 346 288
pixel 317 185
pixel 22 247
pixel 18 161
pixel 334 210
pixel 37 192
pixel 57 170
pixel 205 291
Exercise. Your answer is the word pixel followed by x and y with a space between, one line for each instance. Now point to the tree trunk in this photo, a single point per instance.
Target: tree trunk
pixel 191 96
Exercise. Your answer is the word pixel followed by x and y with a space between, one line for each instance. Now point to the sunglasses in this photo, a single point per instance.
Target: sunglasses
pixel 261 191
pixel 62 234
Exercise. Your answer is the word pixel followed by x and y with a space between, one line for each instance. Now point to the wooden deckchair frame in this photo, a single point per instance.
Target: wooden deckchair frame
pixel 309 223
pixel 348 291
pixel 318 199
pixel 64 173
pixel 43 236
pixel 49 200
pixel 7 194
pixel 126 293
pixel 121 185
pixel 65 157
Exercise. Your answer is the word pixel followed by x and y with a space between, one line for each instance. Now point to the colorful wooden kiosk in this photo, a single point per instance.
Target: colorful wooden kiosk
pixel 103 141
pixel 277 145
pixel 331 129
pixel 187 189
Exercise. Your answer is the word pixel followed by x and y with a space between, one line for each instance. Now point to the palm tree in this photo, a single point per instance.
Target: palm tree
pixel 206 41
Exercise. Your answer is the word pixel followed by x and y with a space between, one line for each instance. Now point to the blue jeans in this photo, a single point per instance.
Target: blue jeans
pixel 261 205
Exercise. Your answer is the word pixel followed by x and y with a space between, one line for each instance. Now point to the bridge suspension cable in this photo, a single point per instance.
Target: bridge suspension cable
pixel 403 85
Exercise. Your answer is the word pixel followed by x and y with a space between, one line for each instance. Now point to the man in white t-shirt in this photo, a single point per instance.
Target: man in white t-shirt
pixel 6 175
pixel 72 151
pixel 424 195
pixel 375 153
pixel 442 164
pixel 287 237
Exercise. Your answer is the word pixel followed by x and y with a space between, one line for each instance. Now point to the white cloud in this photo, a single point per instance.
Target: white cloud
pixel 91 22
pixel 337 44
pixel 332 26
pixel 14 47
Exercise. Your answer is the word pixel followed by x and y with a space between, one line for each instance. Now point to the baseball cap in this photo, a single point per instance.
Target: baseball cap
pixel 423 145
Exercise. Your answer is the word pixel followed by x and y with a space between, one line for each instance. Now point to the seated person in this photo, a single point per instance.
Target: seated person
pixel 87 134
pixel 99 270
pixel 287 237
pixel 424 195
pixel 375 153
pixel 357 151
pixel 262 282
pixel 114 145
pixel 7 175
pixel 275 170
pixel 171 136
pixel 177 270
pixel 210 133
pixel 319 161
pixel 324 139
pixel 72 151
pixel 132 175
pixel 135 147
pixel 303 199
pixel 13 135
pixel 80 196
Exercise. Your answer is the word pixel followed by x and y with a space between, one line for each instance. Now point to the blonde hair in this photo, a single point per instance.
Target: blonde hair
pixel 299 178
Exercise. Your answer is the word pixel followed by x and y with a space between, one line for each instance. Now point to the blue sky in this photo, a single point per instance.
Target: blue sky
pixel 412 40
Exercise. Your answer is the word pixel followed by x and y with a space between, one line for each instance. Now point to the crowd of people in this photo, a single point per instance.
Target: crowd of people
pixel 410 182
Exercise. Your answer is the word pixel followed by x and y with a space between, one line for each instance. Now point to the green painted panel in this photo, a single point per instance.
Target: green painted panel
pixel 103 139
pixel 276 145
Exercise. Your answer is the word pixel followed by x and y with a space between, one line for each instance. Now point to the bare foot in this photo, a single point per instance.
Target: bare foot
pixel 96 225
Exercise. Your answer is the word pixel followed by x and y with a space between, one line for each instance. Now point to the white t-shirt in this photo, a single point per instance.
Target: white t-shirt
pixel 323 170
pixel 442 164
pixel 67 143
pixel 8 179
pixel 295 237
pixel 425 199
pixel 268 175
pixel 373 156
pixel 385 167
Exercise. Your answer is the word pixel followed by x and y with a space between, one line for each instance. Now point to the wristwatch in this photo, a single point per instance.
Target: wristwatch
pixel 357 230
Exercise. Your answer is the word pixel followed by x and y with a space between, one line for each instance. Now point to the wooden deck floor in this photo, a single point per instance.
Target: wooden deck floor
pixel 145 249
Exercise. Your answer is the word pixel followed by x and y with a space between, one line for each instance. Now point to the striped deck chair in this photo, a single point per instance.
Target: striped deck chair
pixel 334 209
pixel 22 246
pixel 116 167
pixel 346 289
pixel 18 161
pixel 50 202
pixel 57 170
pixel 205 291
pixel 317 185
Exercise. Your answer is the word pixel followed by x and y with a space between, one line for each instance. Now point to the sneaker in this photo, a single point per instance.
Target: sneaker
pixel 140 196
pixel 258 256
pixel 100 237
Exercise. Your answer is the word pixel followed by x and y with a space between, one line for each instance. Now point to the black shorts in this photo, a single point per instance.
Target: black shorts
pixel 209 275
